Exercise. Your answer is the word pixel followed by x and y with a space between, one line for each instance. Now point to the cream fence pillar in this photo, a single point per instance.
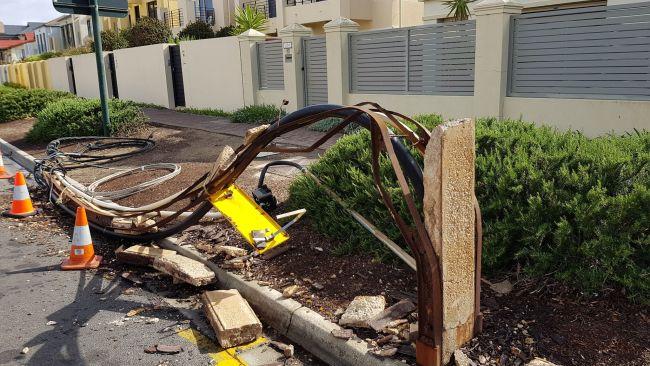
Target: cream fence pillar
pixel 492 53
pixel 294 84
pixel 338 58
pixel 248 55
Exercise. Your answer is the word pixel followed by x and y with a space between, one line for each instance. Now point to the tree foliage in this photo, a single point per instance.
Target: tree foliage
pixel 249 18
pixel 147 31
pixel 196 30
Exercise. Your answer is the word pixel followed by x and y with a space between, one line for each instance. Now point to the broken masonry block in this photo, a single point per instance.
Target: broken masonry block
pixel 232 319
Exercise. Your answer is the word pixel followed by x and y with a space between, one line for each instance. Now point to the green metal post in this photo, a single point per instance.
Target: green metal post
pixel 97 28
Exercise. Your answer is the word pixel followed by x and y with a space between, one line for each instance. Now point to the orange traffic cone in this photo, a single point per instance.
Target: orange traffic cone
pixel 4 174
pixel 21 205
pixel 82 252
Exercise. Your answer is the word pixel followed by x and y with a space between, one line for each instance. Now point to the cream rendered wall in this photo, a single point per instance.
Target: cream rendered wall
pixel 85 75
pixel 143 74
pixel 59 74
pixel 436 9
pixel 212 73
pixel 447 106
pixel 593 117
pixel 273 97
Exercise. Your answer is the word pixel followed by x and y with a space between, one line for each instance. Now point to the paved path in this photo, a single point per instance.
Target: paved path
pixel 89 310
pixel 301 137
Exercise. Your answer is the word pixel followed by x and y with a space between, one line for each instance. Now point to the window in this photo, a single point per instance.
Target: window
pixel 152 10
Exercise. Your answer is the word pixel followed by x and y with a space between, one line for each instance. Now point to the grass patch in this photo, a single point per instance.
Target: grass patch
pixel 205 112
pixel 257 114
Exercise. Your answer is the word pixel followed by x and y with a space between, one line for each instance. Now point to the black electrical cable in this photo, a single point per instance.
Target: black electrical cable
pixel 260 182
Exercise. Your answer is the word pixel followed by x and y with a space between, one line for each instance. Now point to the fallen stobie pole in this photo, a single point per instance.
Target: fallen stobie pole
pixel 450 237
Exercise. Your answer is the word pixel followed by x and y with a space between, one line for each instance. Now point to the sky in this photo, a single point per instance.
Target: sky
pixel 19 12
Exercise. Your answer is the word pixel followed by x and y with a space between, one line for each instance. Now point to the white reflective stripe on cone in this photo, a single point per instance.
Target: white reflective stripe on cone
pixel 81 236
pixel 21 193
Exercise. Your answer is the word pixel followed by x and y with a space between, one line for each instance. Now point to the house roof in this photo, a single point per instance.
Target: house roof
pixel 6 44
pixel 14 30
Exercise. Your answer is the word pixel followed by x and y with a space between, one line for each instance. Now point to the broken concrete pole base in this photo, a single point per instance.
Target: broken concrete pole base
pixel 361 310
pixel 449 218
pixel 185 269
pixel 233 320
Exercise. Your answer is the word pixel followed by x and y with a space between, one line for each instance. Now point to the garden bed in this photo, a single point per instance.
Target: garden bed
pixel 538 318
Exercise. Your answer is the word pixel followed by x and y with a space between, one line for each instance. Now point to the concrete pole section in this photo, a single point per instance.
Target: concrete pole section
pixel 248 56
pixel 338 58
pixel 492 55
pixel 294 83
pixel 449 220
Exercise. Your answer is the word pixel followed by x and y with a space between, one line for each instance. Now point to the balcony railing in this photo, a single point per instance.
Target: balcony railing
pixel 204 14
pixel 173 18
pixel 301 2
pixel 266 7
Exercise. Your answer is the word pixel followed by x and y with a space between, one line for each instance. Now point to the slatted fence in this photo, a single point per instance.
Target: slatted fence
pixel 270 66
pixel 434 59
pixel 600 52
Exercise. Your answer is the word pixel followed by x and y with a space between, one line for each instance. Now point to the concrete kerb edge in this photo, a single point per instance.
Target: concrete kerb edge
pixel 300 324
pixel 21 157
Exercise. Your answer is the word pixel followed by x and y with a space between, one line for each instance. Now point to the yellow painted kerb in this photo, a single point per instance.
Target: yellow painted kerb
pixel 222 357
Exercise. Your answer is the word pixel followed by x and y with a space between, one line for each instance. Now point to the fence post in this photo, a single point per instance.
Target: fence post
pixel 338 58
pixel 294 84
pixel 248 54
pixel 492 55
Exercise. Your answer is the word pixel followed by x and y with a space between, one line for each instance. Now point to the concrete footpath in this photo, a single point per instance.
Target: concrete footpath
pixel 302 137
pixel 79 317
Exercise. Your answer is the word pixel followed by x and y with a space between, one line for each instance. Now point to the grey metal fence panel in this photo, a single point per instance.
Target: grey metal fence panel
pixel 433 59
pixel 599 52
pixel 270 65
pixel 315 66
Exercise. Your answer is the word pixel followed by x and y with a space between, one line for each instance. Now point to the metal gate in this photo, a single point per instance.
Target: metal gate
pixel 315 70
pixel 177 75
pixel 71 80
pixel 111 68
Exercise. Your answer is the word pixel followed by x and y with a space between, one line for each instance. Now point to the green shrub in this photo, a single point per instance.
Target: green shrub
pixel 552 202
pixel 196 30
pixel 257 114
pixel 226 31
pixel 9 84
pixel 43 56
pixel 18 103
pixel 83 117
pixel 147 31
pixel 327 124
pixel 112 40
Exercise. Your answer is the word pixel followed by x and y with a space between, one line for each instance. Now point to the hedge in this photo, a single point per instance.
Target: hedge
pixel 17 103
pixel 83 117
pixel 553 202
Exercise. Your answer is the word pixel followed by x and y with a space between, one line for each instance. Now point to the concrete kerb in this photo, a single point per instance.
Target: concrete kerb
pixel 300 324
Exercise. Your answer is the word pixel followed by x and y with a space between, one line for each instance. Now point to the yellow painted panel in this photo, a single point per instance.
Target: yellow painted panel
pixel 246 216
pixel 45 71
pixel 227 357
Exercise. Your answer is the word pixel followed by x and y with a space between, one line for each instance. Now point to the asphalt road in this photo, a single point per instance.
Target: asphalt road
pixel 89 310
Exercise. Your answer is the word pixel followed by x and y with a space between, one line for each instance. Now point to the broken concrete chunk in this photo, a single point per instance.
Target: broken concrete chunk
pixel 233 320
pixel 385 352
pixel 185 269
pixel 361 310
pixel 395 312
pixel 540 362
pixel 502 288
pixel 230 251
pixel 141 255
pixel 288 292
pixel 461 359
pixel 343 333
pixel 163 349
pixel 287 349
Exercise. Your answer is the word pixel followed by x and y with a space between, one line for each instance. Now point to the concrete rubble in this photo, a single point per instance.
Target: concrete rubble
pixel 361 310
pixel 232 319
